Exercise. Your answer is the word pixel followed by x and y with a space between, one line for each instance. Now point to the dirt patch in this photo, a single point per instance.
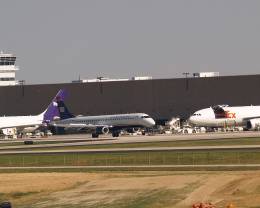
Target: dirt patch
pixel 133 189
pixel 38 182
pixel 118 187
pixel 206 191
pixel 28 188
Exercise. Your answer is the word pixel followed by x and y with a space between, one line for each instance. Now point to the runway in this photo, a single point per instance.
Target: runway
pixel 139 138
pixel 85 139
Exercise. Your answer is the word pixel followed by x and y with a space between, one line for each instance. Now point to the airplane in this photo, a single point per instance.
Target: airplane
pixel 33 122
pixel 224 115
pixel 103 124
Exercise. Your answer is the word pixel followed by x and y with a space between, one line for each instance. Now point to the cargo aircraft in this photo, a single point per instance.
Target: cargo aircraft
pixel 33 122
pixel 103 124
pixel 224 115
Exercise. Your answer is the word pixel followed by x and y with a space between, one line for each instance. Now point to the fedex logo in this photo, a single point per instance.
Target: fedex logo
pixel 225 114
pixel 230 114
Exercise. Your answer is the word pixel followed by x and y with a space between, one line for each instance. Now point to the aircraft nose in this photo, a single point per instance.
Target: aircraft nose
pixel 191 119
pixel 151 122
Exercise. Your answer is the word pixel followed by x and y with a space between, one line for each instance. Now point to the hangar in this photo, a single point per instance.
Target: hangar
pixel 160 98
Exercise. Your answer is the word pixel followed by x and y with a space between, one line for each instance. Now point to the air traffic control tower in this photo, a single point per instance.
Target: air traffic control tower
pixel 7 69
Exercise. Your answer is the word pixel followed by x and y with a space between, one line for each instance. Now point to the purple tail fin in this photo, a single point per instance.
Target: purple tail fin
pixel 52 111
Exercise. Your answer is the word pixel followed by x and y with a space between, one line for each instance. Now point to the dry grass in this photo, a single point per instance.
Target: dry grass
pixel 130 189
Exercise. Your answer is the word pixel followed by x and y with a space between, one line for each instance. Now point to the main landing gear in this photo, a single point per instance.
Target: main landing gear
pixel 95 135
pixel 115 134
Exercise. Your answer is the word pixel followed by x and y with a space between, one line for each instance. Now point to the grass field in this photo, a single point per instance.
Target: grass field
pixel 48 188
pixel 132 158
pixel 140 158
pixel 131 189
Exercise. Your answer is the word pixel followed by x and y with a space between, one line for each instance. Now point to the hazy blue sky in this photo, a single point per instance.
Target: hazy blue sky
pixel 58 40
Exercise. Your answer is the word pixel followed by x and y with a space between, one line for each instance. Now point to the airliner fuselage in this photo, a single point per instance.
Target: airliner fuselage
pixel 120 120
pixel 219 116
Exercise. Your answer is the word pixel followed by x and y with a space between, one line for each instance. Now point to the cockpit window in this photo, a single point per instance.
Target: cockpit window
pixel 145 117
pixel 196 114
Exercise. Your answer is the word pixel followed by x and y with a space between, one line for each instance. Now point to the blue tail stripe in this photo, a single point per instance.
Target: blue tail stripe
pixel 63 111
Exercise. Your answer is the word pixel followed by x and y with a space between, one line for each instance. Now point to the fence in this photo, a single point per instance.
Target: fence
pixel 131 158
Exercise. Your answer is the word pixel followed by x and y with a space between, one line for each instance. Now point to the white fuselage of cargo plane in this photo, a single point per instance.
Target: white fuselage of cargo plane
pixel 20 121
pixel 117 120
pixel 238 116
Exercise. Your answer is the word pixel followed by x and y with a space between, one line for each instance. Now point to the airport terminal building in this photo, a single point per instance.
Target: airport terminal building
pixel 160 98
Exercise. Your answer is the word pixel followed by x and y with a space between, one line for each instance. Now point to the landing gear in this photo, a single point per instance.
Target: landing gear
pixel 115 134
pixel 95 135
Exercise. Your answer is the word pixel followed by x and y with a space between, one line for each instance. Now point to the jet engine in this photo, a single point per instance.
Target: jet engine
pixel 30 129
pixel 102 130
pixel 253 124
pixel 56 118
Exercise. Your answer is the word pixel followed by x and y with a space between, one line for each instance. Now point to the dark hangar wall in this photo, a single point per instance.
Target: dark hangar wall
pixel 162 98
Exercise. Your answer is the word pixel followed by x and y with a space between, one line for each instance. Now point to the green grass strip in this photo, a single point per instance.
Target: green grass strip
pixel 132 158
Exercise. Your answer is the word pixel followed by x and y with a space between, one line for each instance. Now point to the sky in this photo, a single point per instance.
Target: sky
pixel 57 41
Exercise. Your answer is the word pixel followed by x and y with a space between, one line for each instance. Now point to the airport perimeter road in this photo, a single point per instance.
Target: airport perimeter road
pixel 185 137
pixel 55 138
pixel 108 139
pixel 143 149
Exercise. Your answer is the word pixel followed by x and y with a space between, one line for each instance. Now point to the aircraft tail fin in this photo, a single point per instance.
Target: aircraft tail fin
pixel 64 112
pixel 52 111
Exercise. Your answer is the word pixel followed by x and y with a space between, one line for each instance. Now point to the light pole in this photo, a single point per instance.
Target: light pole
pixel 100 84
pixel 22 82
pixel 187 81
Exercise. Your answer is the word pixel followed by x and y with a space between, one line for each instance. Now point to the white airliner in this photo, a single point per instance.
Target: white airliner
pixel 21 122
pixel 103 124
pixel 224 115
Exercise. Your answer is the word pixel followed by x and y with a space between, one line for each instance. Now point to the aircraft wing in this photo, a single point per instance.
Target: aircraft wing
pixel 79 125
pixel 249 118
pixel 27 128
pixel 74 125
pixel 21 127
pixel 24 128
